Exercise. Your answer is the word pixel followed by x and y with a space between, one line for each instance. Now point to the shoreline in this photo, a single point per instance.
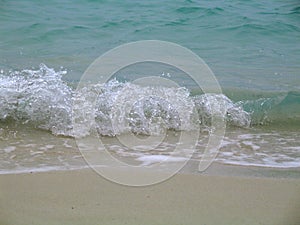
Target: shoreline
pixel 191 167
pixel 84 197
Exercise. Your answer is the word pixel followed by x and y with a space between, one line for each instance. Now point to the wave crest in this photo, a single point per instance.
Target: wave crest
pixel 40 97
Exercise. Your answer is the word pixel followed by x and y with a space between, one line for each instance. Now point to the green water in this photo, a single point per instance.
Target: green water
pixel 251 44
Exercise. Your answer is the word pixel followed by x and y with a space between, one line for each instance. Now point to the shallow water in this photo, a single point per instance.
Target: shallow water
pixel 27 149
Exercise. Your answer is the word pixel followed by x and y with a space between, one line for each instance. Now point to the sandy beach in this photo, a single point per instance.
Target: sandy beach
pixel 84 197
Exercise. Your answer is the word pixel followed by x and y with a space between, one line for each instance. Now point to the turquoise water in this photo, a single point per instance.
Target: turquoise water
pixel 253 48
pixel 252 44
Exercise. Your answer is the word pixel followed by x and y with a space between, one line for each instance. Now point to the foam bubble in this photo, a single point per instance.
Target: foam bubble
pixel 9 149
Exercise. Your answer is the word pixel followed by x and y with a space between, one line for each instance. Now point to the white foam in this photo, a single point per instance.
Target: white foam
pixel 251 145
pixel 9 149
pixel 297 148
pixel 150 159
pixel 245 136
pixel 270 164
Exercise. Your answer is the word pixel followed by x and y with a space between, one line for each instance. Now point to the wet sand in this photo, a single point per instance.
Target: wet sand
pixel 84 197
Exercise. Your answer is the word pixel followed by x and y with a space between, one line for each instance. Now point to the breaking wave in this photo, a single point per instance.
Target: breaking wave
pixel 41 98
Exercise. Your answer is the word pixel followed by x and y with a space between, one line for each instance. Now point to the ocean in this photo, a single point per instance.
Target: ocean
pixel 252 47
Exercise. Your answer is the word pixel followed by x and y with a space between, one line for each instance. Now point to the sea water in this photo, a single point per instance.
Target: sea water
pixel 252 47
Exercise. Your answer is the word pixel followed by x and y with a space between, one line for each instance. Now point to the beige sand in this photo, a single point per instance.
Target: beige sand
pixel 83 197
